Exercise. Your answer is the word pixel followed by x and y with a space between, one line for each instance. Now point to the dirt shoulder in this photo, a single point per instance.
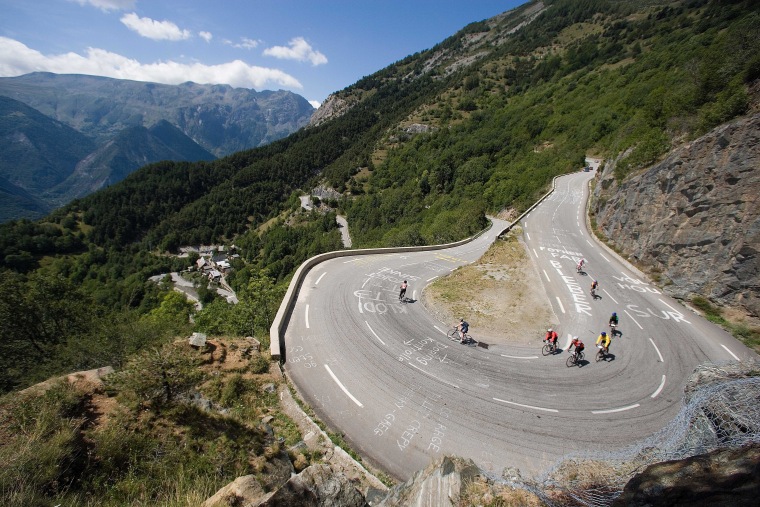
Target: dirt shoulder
pixel 501 295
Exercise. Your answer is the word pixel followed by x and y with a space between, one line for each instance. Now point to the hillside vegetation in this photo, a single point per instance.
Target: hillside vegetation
pixel 420 152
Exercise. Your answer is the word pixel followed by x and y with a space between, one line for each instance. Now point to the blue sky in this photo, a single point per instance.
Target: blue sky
pixel 310 47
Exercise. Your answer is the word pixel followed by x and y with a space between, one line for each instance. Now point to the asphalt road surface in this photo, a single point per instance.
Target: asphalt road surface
pixel 384 375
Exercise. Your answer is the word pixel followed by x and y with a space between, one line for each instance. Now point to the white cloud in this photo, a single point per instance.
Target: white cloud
pixel 109 5
pixel 152 29
pixel 298 49
pixel 205 36
pixel 315 104
pixel 245 43
pixel 17 59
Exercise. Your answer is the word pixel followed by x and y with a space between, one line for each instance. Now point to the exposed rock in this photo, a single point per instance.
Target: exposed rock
pixel 93 377
pixel 334 107
pixel 243 491
pixel 721 478
pixel 440 484
pixel 317 485
pixel 418 128
pixel 695 216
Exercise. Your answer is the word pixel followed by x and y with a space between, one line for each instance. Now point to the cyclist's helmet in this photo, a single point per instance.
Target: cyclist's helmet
pixel 604 333
pixel 614 314
pixel 549 330
pixel 461 320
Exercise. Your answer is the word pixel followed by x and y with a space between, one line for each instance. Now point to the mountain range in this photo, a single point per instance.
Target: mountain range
pixel 65 136
pixel 666 92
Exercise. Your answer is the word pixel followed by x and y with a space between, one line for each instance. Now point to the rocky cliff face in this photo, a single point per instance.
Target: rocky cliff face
pixel 694 217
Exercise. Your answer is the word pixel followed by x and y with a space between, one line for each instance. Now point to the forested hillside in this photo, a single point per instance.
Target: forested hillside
pixel 420 151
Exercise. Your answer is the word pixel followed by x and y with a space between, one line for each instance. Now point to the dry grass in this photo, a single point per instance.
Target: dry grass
pixel 492 495
pixel 500 295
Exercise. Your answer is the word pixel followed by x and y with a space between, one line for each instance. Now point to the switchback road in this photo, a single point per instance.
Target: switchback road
pixel 384 374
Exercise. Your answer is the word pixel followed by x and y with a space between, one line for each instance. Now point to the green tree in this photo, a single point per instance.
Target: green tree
pixel 156 376
pixel 257 305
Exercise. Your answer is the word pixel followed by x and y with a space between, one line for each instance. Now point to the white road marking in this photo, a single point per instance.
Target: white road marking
pixel 441 330
pixel 360 307
pixel 560 305
pixel 528 235
pixel 663 302
pixel 519 357
pixel 342 386
pixel 547 276
pixel 365 282
pixel 527 406
pixel 732 354
pixel 659 389
pixel 525 224
pixel 535 253
pixel 569 340
pixel 612 410
pixel 658 350
pixel 414 295
pixel 634 320
pixel 587 241
pixel 612 298
pixel 431 279
pixel 603 257
pixel 437 378
pixel 374 333
pixel 320 278
pixel 306 316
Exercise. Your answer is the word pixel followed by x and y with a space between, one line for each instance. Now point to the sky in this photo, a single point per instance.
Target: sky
pixel 309 47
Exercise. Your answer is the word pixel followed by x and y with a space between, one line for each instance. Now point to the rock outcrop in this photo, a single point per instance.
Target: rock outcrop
pixel 440 484
pixel 694 218
pixel 316 486
pixel 727 478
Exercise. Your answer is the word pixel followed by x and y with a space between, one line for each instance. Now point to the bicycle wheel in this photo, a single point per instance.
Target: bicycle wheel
pixel 547 349
pixel 454 335
pixel 570 361
pixel 599 355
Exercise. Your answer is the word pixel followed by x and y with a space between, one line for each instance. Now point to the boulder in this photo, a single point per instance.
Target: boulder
pixel 243 491
pixel 728 477
pixel 317 485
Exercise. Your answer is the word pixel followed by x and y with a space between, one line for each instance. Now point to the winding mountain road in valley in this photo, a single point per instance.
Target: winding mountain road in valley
pixel 384 374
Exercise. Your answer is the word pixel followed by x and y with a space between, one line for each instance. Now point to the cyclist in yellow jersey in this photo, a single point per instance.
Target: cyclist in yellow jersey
pixel 604 339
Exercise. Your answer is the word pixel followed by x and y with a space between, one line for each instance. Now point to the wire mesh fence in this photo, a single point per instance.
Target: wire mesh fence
pixel 721 410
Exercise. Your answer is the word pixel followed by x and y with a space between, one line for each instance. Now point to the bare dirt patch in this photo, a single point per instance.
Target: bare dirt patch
pixel 500 295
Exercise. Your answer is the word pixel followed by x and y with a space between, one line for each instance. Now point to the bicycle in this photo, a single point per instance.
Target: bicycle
pixel 467 339
pixel 575 359
pixel 549 348
pixel 601 355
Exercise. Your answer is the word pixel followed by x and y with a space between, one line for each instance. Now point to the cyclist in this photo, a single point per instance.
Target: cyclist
pixel 613 321
pixel 594 286
pixel 551 337
pixel 578 344
pixel 604 340
pixel 579 267
pixel 463 327
pixel 402 293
